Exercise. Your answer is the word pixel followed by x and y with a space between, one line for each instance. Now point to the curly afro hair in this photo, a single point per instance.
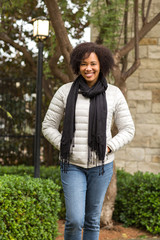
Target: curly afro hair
pixel 83 50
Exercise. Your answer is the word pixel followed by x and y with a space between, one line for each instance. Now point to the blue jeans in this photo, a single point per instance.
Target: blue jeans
pixel 84 191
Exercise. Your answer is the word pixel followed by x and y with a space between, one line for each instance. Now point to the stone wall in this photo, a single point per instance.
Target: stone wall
pixel 143 97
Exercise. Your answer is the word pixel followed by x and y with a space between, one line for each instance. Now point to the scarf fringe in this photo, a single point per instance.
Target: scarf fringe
pixel 92 158
pixel 101 169
pixel 64 165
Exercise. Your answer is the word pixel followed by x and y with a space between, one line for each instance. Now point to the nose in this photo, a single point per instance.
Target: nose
pixel 88 67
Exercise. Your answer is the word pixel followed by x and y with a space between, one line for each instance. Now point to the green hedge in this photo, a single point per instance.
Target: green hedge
pixel 52 173
pixel 20 170
pixel 28 208
pixel 138 200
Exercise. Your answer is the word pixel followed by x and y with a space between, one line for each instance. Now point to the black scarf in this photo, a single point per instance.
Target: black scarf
pixel 97 119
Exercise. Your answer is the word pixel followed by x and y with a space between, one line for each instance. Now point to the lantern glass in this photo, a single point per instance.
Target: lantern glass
pixel 41 28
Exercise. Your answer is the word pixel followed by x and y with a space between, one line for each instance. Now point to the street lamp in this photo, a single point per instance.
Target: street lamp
pixel 40 32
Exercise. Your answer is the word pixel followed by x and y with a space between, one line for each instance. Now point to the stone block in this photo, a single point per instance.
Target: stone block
pixel 149 86
pixel 155 141
pixel 149 41
pixel 139 95
pixel 131 167
pixel 133 154
pixel 120 154
pixel 132 104
pixel 143 52
pixel 120 164
pixel 148 75
pixel 148 158
pixel 149 167
pixel 132 83
pixel 156 107
pixel 156 4
pixel 148 118
pixel 148 130
pixel 144 106
pixel 156 96
pixel 156 159
pixel 152 151
pixel 140 141
pixel 133 111
pixel 154 52
pixel 147 63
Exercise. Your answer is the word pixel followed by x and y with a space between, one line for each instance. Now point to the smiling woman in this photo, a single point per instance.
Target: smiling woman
pixel 86 144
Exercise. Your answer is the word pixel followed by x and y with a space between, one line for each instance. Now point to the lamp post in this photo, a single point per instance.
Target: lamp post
pixel 40 32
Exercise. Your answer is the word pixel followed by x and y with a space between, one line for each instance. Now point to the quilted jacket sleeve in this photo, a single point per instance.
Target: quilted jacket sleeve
pixel 124 123
pixel 54 114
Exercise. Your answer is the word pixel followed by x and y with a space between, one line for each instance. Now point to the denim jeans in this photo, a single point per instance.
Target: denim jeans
pixel 84 191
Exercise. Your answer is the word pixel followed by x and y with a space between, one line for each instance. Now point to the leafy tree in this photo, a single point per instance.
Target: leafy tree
pixel 106 18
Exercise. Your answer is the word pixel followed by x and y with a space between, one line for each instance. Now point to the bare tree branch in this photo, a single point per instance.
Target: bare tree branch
pixel 148 9
pixel 124 61
pixel 136 30
pixel 145 16
pixel 126 22
pixel 144 30
pixel 108 2
pixel 131 70
pixel 143 11
pixel 22 49
pixel 61 33
pixel 136 63
pixel 59 74
pixel 54 67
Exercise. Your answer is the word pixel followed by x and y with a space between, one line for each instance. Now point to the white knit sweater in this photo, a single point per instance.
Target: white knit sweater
pixel 117 110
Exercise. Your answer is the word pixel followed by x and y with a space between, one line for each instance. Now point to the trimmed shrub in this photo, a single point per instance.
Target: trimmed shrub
pixel 138 200
pixel 28 208
pixel 20 170
pixel 52 173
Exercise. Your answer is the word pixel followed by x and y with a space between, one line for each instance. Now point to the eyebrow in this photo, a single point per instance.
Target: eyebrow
pixel 86 62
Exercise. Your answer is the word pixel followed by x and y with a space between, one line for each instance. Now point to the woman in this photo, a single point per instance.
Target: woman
pixel 86 144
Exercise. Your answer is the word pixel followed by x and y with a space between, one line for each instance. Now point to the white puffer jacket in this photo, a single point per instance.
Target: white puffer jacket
pixel 116 106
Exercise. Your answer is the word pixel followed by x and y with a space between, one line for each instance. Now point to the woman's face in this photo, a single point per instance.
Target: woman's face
pixel 90 68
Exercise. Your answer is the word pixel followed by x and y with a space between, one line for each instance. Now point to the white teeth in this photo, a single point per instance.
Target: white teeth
pixel 89 74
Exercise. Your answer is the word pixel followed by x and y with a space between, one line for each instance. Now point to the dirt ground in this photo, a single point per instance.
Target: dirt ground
pixel 118 233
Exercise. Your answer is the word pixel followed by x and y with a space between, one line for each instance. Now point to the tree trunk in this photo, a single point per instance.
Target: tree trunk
pixel 109 201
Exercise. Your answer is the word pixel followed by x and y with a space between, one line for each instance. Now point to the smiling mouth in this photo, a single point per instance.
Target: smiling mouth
pixel 89 74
